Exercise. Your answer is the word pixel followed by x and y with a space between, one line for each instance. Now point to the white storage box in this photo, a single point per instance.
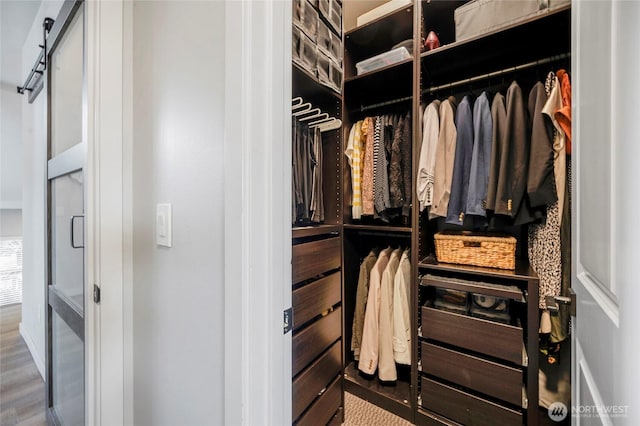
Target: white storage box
pixel 388 58
pixel 382 10
pixel 306 18
pixel 482 16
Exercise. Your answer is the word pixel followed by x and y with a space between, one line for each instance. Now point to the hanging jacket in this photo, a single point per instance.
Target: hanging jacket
pixel 445 152
pixel 427 162
pixel 498 146
pixel 402 311
pixel 367 170
pixel 362 292
pixel 461 163
pixel 386 363
pixel 480 158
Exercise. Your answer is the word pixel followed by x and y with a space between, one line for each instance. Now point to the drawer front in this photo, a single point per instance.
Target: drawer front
pixel 311 381
pixel 484 376
pixel 315 339
pixel 338 419
pixel 323 410
pixel 314 298
pixel 465 408
pixel 428 418
pixel 495 339
pixel 314 258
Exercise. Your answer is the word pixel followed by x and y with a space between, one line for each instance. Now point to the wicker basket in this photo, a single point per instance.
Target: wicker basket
pixel 478 250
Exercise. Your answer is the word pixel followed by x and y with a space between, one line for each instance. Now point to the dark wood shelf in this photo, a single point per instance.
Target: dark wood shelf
pixel 516 44
pixel 307 86
pixel 523 270
pixel 312 231
pixel 386 84
pixel 396 399
pixel 509 292
pixel 378 228
pixel 379 35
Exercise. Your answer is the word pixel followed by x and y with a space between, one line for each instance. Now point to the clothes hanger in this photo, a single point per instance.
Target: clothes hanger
pixel 305 108
pixel 308 114
pixel 296 102
pixel 324 115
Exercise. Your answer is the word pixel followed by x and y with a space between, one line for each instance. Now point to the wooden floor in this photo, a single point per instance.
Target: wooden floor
pixel 21 386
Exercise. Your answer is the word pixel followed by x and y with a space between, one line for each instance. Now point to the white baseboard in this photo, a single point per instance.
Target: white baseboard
pixel 37 359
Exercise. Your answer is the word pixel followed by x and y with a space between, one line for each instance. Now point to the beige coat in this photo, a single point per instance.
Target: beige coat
pixel 445 154
pixel 386 364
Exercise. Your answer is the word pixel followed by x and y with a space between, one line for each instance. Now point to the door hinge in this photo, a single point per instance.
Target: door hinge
pixel 288 320
pixel 96 293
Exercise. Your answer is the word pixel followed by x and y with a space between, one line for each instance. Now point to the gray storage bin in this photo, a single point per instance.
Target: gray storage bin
pixel 336 48
pixel 323 68
pixel 295 45
pixel 325 38
pixel 335 76
pixel 306 18
pixel 335 16
pixel 308 54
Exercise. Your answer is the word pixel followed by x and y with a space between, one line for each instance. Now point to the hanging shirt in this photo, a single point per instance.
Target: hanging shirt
pixel 445 153
pixel 380 171
pixel 461 163
pixel 402 311
pixel 355 155
pixel 317 198
pixel 362 292
pixel 406 153
pixel 553 104
pixel 480 158
pixel 369 349
pixel 563 115
pixel 498 146
pixel 427 162
pixel 386 363
pixel 541 187
pixel 367 171
pixel 514 162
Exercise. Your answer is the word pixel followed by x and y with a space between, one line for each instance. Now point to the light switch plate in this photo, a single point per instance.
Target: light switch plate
pixel 163 225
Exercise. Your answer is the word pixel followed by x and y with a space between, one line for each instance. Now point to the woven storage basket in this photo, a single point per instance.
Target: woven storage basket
pixel 477 250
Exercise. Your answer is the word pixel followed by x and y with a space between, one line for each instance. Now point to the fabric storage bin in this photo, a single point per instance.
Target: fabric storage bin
pixel 323 68
pixel 465 248
pixel 384 59
pixel 308 54
pixel 306 18
pixel 336 48
pixel 295 45
pixel 324 39
pixel 481 16
pixel 335 76
pixel 324 6
pixel 335 16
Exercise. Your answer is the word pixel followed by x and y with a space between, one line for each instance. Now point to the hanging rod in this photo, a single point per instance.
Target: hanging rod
pixel 40 65
pixel 382 104
pixel 498 73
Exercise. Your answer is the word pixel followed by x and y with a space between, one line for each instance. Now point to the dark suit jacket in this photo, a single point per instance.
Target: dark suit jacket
pixel 498 142
pixel 461 163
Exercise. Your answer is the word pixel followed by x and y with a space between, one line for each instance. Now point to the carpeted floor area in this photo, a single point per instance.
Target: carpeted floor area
pixel 358 412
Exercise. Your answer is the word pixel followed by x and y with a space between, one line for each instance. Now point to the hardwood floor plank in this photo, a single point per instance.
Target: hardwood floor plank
pixel 22 396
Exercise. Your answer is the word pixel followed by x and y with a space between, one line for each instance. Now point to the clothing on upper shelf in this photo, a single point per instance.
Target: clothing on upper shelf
pixel 381 180
pixel 384 337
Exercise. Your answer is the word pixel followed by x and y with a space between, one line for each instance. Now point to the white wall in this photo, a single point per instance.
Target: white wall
pixel 178 292
pixel 34 142
pixel 10 145
pixel 10 222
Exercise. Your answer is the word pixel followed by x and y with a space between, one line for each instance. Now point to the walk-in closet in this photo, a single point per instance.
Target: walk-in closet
pixel 431 153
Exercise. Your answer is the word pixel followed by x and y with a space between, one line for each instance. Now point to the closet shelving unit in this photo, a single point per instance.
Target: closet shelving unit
pixel 489 61
pixel 317 364
pixel 472 370
pixel 385 90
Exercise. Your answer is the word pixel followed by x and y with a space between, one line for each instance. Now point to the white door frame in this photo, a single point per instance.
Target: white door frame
pixel 257 212
pixel 258 231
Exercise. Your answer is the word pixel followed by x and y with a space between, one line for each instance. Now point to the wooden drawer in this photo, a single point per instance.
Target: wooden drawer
pixel 314 379
pixel 484 376
pixel 314 258
pixel 315 339
pixel 323 410
pixel 465 408
pixel 314 298
pixel 487 337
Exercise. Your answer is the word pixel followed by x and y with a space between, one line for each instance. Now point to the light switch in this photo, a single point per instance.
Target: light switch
pixel 163 225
